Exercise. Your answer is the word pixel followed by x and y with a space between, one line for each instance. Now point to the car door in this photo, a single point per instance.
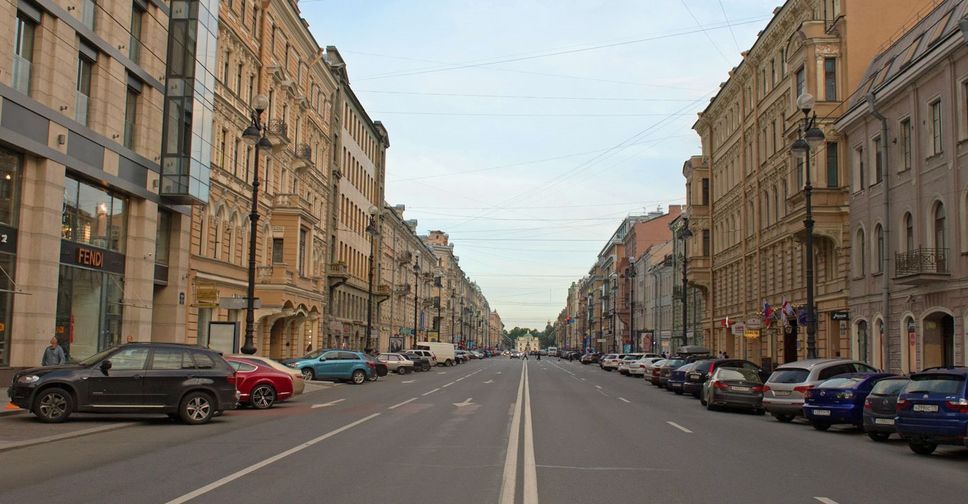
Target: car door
pixel 121 386
pixel 348 362
pixel 327 366
pixel 167 371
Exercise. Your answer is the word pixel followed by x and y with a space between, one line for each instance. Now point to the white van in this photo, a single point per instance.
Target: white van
pixel 552 351
pixel 444 352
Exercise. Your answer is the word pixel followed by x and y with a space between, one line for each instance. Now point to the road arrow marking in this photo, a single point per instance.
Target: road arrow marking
pixel 489 381
pixel 327 404
pixel 467 402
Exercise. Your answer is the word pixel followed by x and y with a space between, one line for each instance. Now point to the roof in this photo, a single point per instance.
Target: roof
pixel 933 28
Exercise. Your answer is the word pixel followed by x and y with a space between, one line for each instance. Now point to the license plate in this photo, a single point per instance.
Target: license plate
pixel 884 421
pixel 821 412
pixel 694 376
pixel 781 392
pixel 927 408
pixel 740 389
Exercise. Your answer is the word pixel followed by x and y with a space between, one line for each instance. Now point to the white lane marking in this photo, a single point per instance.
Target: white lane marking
pixel 259 465
pixel 598 387
pixel 683 429
pixel 431 392
pixel 467 402
pixel 498 372
pixel 530 471
pixel 488 381
pixel 327 404
pixel 600 391
pixel 408 381
pixel 624 399
pixel 510 477
pixel 449 384
pixel 582 379
pixel 441 372
pixel 826 500
pixel 397 405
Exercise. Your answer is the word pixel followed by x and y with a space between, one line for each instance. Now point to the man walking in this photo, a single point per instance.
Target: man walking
pixel 53 355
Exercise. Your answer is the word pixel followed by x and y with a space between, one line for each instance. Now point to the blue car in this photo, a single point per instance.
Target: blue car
pixel 840 400
pixel 334 365
pixel 933 409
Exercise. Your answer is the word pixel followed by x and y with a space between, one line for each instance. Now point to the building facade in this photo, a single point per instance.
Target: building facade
pixel 409 271
pixel 905 135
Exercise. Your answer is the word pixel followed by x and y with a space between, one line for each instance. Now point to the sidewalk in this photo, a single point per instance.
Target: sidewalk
pixel 18 429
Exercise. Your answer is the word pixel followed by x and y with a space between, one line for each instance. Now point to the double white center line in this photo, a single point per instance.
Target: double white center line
pixel 509 479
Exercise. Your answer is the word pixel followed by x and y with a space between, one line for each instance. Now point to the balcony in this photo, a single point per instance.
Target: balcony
pixel 278 133
pixel 404 257
pixel 303 157
pixel 403 290
pixel 338 270
pixel 382 290
pixel 274 275
pixel 921 266
pixel 288 203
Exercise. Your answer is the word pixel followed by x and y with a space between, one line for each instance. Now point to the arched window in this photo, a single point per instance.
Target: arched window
pixel 219 230
pixel 863 342
pixel 939 235
pixel 859 253
pixel 878 266
pixel 908 232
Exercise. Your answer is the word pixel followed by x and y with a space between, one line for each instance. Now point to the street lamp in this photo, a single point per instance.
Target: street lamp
pixel 416 299
pixel 438 282
pixel 812 138
pixel 254 135
pixel 373 231
pixel 630 275
pixel 453 308
pixel 685 234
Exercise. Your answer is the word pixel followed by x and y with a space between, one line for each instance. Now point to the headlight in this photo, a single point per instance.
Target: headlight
pixel 293 364
pixel 28 379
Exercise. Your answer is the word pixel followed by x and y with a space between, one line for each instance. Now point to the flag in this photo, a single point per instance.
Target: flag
pixel 788 309
pixel 768 314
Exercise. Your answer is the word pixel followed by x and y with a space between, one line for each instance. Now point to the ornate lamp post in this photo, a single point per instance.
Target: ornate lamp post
pixel 373 231
pixel 631 278
pixel 416 297
pixel 811 138
pixel 254 135
pixel 685 233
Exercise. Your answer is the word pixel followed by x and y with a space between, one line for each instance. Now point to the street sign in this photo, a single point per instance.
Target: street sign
pixel 238 303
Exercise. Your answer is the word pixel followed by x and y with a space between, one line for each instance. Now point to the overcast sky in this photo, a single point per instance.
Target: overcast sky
pixel 528 129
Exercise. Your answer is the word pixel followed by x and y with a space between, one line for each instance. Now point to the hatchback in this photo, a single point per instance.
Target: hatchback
pixel 183 381
pixel 840 400
pixel 733 388
pixel 880 407
pixel 396 362
pixel 933 409
pixel 334 365
pixel 784 390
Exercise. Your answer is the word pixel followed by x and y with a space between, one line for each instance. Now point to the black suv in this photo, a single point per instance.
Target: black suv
pixel 184 381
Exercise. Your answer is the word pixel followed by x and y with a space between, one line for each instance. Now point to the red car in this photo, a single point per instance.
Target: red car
pixel 260 386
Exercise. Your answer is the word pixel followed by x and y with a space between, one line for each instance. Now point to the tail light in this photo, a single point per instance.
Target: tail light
pixel 760 388
pixel 803 389
pixel 371 364
pixel 867 404
pixel 902 404
pixel 766 388
pixel 959 406
pixel 719 385
pixel 233 380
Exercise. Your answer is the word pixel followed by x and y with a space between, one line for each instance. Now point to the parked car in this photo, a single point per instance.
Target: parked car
pixel 784 390
pixel 381 368
pixel 431 356
pixel 660 374
pixel 623 363
pixel 637 368
pixel 420 363
pixel 733 388
pixel 933 409
pixel 396 363
pixel 259 385
pixel 590 358
pixel 461 356
pixel 677 377
pixel 441 353
pixel 880 407
pixel 298 384
pixel 704 367
pixel 334 365
pixel 839 400
pixel 187 382
pixel 610 362
pixel 648 369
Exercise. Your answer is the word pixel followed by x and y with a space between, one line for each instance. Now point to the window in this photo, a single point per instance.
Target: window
pixel 23 52
pixel 860 181
pixel 859 261
pixel 162 237
pixel 202 360
pixel 801 77
pixel 830 78
pixel 171 359
pixel 705 243
pixel 88 8
pixel 905 140
pixel 302 251
pixel 832 165
pixel 129 359
pixel 93 216
pixel 134 44
pixel 801 168
pixel 935 115
pixel 83 91
pixel 772 71
pixel 908 232
pixel 130 117
pixel 277 256
pixel 879 237
pixel 878 161
pixel 705 191
pixel 238 79
pixel 939 234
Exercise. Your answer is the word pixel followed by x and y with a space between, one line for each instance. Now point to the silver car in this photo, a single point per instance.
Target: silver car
pixel 637 368
pixel 627 360
pixel 784 390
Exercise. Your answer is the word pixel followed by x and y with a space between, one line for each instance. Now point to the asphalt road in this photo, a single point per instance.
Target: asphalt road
pixel 492 431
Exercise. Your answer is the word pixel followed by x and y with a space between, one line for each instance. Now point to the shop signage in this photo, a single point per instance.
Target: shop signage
pixel 90 257
pixel 738 328
pixel 839 315
pixel 8 239
pixel 752 333
pixel 754 323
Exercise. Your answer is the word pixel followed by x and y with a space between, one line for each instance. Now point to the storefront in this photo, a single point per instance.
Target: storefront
pixel 91 278
pixel 10 167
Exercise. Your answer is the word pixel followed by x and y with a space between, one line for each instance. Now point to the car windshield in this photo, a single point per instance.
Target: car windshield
pixel 313 355
pixel 841 383
pixel 789 375
pixel 935 383
pixel 738 374
pixel 674 363
pixel 889 387
pixel 98 357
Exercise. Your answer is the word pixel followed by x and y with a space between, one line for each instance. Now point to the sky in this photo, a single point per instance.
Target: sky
pixel 528 129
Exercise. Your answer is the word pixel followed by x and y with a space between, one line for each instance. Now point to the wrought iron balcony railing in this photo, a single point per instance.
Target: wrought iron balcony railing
pixel 921 261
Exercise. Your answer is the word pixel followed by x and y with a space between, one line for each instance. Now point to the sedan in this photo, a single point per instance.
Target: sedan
pixel 840 400
pixel 396 363
pixel 735 388
pixel 637 368
pixel 298 383
pixel 677 377
pixel 880 407
pixel 661 373
pixel 260 386
pixel 705 367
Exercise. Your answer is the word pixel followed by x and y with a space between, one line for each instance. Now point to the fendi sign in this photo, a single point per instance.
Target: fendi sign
pixel 83 256
pixel 89 257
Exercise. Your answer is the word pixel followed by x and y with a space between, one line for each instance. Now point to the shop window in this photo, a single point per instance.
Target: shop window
pixel 9 187
pixel 93 216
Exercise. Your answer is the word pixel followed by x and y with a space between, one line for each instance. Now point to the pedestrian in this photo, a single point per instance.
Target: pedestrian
pixel 53 355
pixel 725 355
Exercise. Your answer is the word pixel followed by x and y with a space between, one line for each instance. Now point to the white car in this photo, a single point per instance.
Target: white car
pixel 610 361
pixel 637 367
pixel 627 359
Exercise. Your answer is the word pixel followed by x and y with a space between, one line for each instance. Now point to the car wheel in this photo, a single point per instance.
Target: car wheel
pixel 922 448
pixel 359 376
pixel 262 397
pixel 783 418
pixel 820 426
pixel 373 377
pixel 196 408
pixel 308 374
pixel 53 405
pixel 879 436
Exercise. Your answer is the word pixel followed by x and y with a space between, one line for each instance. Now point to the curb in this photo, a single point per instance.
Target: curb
pixel 59 437
pixel 10 409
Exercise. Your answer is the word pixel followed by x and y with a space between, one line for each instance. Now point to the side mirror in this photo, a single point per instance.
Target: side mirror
pixel 322 359
pixel 105 366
